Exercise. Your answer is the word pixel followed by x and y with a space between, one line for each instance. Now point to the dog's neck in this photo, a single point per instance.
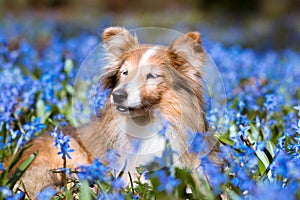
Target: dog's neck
pixel 122 133
pixel 140 127
pixel 138 140
pixel 142 120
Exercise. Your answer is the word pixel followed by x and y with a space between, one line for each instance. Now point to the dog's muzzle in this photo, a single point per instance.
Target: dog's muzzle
pixel 119 96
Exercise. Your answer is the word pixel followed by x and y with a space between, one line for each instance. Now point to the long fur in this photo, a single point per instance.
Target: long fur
pixel 177 99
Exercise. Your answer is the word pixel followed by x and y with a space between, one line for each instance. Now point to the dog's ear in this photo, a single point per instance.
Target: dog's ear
pixel 189 48
pixel 187 43
pixel 118 40
pixel 188 57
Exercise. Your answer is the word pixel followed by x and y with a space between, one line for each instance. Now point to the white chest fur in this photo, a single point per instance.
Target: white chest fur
pixel 138 144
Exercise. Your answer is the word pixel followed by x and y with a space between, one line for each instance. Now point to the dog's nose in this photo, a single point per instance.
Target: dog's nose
pixel 119 95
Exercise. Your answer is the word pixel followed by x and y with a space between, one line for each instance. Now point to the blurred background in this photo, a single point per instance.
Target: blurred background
pixel 258 24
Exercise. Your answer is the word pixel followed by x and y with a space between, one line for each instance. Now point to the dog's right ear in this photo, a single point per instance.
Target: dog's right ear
pixel 118 40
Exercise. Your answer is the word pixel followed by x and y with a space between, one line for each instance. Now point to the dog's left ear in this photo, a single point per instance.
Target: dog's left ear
pixel 188 59
pixel 187 48
pixel 118 40
pixel 188 44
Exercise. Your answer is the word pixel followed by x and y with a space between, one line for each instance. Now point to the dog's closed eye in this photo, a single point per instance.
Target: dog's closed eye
pixel 153 76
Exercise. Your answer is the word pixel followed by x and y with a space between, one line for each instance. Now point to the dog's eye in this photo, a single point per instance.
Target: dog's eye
pixel 152 76
pixel 125 72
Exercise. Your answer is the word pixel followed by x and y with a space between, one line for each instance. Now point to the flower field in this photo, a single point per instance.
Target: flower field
pixel 259 131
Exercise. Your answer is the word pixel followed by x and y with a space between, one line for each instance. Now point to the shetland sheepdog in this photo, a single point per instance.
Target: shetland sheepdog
pixel 156 98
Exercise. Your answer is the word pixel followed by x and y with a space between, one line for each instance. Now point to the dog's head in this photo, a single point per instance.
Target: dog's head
pixel 140 75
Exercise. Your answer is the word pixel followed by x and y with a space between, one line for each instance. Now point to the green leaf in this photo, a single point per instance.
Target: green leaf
pixel 186 179
pixel 41 110
pixel 131 182
pixel 254 134
pixel 235 102
pixel 85 192
pixel 21 169
pixel 263 161
pixel 232 195
pixel 16 158
pixel 68 195
pixel 271 148
pixel 70 89
pixel 140 169
pixel 68 66
pixel 24 188
pixel 225 140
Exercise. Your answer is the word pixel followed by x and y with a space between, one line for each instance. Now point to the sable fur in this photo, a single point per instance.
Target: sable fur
pixel 176 96
pixel 38 176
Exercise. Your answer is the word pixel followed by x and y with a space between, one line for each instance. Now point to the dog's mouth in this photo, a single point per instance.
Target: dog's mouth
pixel 142 110
pixel 140 115
pixel 123 109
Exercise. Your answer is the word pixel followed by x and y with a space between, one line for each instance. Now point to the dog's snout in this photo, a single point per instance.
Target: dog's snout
pixel 119 95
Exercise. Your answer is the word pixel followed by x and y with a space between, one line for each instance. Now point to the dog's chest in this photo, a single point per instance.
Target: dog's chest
pixel 139 145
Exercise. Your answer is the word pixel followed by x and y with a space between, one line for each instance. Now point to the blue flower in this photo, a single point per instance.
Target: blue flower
pixel 5 191
pixel 295 147
pixel 111 156
pixel 9 195
pixel 164 129
pixel 297 128
pixel 289 123
pixel 217 178
pixel 212 119
pixel 281 141
pixel 2 144
pixel 241 119
pixel 31 128
pixel 100 100
pixel 165 159
pixel 135 144
pixel 198 143
pixel 28 73
pixel 61 119
pixel 243 181
pixel 270 102
pixel 274 190
pixel 243 130
pixel 258 123
pixel 167 182
pixel 62 142
pixel 110 196
pixel 214 173
pixel 260 146
pixel 94 172
pixel 46 194
pixel 298 109
pixel 241 105
pixel 1 167
pixel 15 133
pixel 117 184
pixel 284 166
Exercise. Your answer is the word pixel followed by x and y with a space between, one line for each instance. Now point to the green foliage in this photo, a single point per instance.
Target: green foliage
pixel 20 169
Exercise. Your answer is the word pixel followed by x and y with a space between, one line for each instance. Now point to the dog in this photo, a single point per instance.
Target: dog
pixel 152 88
